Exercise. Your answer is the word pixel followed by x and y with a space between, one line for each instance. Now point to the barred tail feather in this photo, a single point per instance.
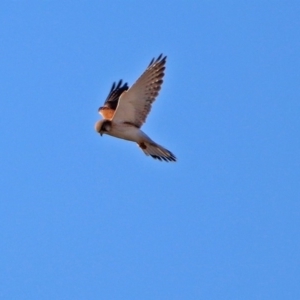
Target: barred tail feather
pixel 157 151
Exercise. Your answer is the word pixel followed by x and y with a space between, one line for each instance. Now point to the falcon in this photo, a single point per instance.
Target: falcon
pixel 125 110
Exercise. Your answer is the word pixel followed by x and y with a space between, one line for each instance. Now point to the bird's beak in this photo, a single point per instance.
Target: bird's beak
pixel 101 133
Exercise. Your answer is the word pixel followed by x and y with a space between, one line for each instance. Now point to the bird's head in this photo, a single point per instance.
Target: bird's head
pixel 103 126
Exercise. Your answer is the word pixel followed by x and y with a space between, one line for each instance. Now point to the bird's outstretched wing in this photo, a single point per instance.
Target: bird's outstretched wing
pixel 135 104
pixel 108 109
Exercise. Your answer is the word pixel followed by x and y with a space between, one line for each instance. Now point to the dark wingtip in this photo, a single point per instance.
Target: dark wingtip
pixel 160 58
pixel 170 158
pixel 118 85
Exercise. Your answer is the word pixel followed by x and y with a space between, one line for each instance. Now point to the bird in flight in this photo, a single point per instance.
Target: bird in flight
pixel 125 110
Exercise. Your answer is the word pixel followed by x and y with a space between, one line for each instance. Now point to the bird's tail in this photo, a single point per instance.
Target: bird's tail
pixel 157 151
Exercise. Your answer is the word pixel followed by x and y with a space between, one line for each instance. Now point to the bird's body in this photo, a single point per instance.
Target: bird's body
pixel 122 131
pixel 126 109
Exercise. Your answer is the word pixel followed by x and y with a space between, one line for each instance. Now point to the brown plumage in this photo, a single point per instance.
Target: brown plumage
pixel 111 102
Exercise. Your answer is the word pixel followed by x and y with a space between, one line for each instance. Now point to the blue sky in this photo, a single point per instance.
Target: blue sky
pixel 90 217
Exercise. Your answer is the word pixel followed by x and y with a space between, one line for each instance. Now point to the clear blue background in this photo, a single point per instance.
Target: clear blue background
pixel 85 217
